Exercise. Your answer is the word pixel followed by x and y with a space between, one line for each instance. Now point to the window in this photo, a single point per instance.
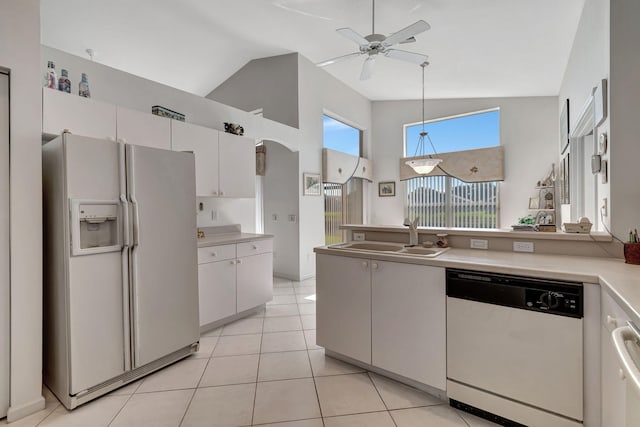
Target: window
pixel 342 202
pixel 443 201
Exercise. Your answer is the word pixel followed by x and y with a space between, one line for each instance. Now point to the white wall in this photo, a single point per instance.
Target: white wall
pixel 320 93
pixel 280 199
pixel 588 64
pixel 528 133
pixel 248 91
pixel 20 52
pixel 624 121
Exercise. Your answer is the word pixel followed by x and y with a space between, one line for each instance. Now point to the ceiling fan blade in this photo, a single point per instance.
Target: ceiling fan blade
pixel 352 35
pixel 413 29
pixel 403 55
pixel 337 59
pixel 367 68
pixel 409 40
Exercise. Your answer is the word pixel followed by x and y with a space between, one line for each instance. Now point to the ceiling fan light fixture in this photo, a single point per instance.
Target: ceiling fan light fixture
pixel 423 166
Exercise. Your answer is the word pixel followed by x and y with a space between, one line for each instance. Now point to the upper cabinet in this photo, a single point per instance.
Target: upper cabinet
pixel 237 166
pixel 225 163
pixel 81 116
pixel 138 128
pixel 203 142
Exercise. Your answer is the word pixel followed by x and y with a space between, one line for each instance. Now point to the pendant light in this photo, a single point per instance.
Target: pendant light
pixel 424 165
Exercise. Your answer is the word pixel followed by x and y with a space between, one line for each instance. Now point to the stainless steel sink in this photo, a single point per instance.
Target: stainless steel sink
pixel 373 246
pixel 396 248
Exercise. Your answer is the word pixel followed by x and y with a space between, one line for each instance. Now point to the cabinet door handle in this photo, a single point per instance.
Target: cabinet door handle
pixel 222 193
pixel 214 254
pixel 612 320
pixel 215 193
pixel 374 265
pixel 254 247
pixel 365 264
pixel 233 261
pixel 239 261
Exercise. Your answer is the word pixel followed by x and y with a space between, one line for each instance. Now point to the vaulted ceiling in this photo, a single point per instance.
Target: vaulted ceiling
pixel 476 48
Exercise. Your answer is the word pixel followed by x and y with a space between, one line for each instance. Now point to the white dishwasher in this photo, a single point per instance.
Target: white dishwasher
pixel 514 348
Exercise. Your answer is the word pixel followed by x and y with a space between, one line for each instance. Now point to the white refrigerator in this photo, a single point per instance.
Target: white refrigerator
pixel 120 291
pixel 4 244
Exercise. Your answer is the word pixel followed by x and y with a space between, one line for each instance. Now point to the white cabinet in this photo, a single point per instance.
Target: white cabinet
pixel 254 284
pixel 81 116
pixel 136 127
pixel 613 387
pixel 386 314
pixel 343 306
pixel 203 142
pixel 237 166
pixel 409 321
pixel 234 278
pixel 217 290
pixel 225 163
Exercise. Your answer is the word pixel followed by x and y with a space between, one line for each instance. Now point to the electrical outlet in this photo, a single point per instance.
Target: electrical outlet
pixel 479 244
pixel 274 217
pixel 292 218
pixel 523 246
pixel 358 236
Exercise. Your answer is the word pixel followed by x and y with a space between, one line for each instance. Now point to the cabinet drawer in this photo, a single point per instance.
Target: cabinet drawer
pixel 216 253
pixel 255 247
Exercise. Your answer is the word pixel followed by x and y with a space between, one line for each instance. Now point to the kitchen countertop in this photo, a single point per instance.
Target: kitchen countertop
pixel 622 281
pixel 229 238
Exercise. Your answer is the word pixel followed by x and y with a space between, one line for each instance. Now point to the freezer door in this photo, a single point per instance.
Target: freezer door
pixel 164 256
pixel 96 294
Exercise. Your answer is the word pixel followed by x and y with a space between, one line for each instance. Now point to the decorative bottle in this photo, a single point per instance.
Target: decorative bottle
pixel 50 77
pixel 83 87
pixel 64 84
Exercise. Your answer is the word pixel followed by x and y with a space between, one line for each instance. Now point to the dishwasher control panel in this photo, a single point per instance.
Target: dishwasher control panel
pixel 558 297
pixel 558 302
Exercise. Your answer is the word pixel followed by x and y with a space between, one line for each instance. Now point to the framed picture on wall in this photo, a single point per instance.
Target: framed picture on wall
pixel 387 189
pixel 311 184
pixel 564 127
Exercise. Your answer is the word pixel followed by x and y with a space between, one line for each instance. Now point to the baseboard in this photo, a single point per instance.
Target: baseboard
pixel 16 412
pixel 295 278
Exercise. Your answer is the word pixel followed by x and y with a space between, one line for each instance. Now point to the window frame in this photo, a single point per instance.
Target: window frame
pixel 449 209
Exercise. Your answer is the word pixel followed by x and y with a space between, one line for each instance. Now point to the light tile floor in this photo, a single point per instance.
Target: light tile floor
pixel 263 370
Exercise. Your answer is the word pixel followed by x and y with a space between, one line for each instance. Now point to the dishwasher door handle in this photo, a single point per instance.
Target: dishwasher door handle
pixel 629 368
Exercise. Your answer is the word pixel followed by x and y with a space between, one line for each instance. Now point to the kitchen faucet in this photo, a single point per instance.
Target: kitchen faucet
pixel 413 230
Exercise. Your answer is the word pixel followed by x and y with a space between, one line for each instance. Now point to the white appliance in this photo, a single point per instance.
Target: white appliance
pixel 4 244
pixel 627 343
pixel 514 348
pixel 121 292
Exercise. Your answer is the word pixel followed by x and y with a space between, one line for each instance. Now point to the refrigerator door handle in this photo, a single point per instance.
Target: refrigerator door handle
pixel 126 242
pixel 136 222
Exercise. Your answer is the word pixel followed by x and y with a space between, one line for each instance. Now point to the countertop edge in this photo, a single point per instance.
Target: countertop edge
pixel 231 238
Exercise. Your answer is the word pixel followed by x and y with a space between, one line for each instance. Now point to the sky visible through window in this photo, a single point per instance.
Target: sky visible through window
pixel 340 137
pixel 456 134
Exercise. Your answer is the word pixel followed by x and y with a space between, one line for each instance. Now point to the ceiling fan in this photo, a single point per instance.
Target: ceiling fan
pixel 376 44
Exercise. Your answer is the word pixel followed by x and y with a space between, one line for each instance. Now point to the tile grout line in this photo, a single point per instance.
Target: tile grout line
pixel 255 389
pixel 315 386
pixel 381 398
pixel 123 406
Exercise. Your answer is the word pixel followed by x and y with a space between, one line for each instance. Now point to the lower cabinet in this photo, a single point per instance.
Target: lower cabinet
pixel 217 283
pixel 343 306
pixel 408 321
pixel 253 287
pixel 230 283
pixel 386 314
